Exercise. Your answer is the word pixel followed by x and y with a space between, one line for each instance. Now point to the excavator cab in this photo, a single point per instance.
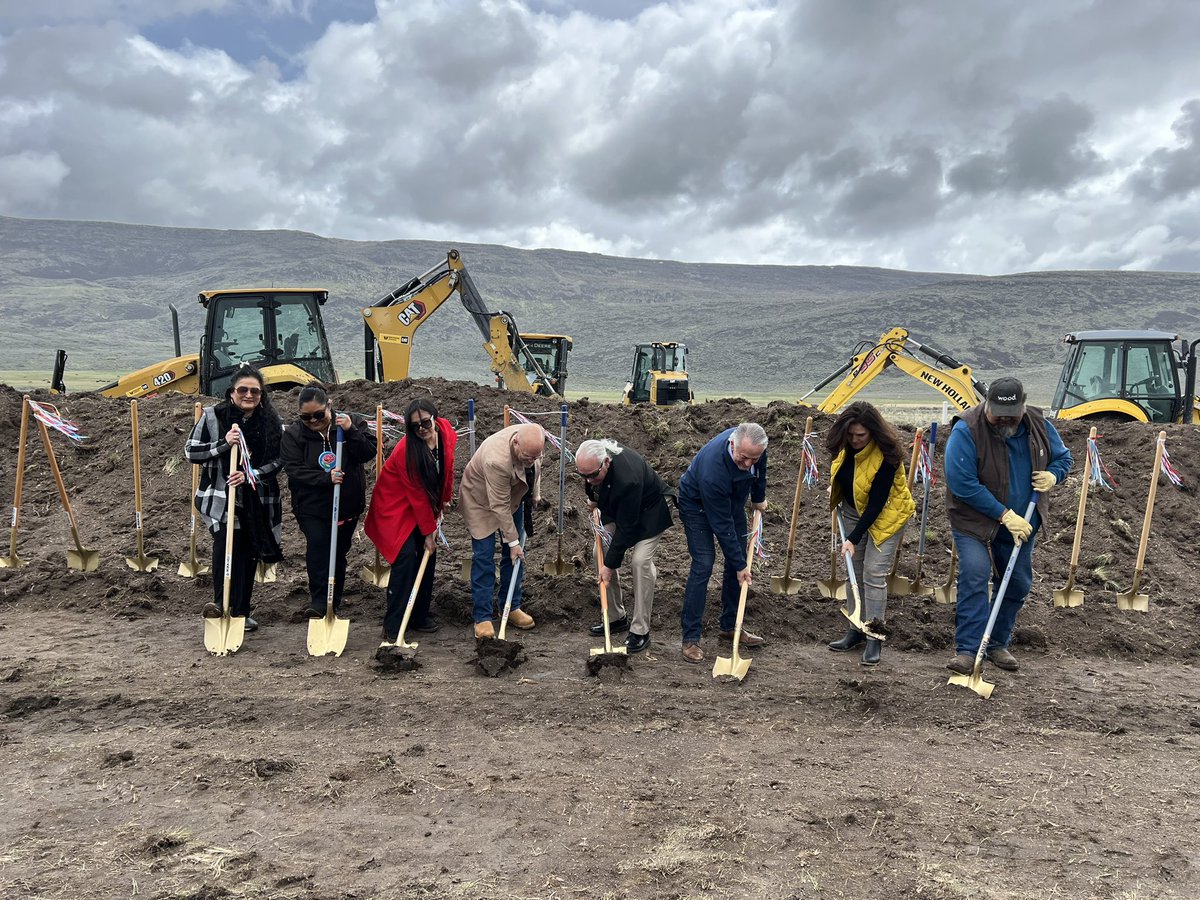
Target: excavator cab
pixel 277 330
pixel 659 375
pixel 545 362
pixel 1131 375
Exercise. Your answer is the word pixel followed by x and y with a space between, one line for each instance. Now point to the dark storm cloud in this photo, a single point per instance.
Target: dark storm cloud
pixel 1173 173
pixel 899 196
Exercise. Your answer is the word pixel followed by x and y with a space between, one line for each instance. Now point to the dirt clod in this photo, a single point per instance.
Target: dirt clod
pixel 391 660
pixel 494 657
pixel 24 706
pixel 608 667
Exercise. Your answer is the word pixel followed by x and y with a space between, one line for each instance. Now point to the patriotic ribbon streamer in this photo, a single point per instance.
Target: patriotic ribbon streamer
pixel 925 470
pixel 49 416
pixel 520 417
pixel 808 462
pixel 759 547
pixel 1098 473
pixel 442 536
pixel 1172 475
pixel 251 479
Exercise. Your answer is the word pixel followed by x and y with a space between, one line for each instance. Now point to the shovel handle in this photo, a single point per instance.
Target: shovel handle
pixel 998 602
pixel 603 586
pixel 562 475
pixel 195 482
pixel 791 544
pixel 412 595
pixel 1158 455
pixel 230 521
pixel 741 610
pixel 850 576
pixel 1083 492
pixel 58 479
pixel 137 463
pixel 20 482
pixel 333 528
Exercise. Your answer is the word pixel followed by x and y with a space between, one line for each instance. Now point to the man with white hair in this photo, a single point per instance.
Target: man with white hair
pixel 727 471
pixel 503 473
pixel 632 500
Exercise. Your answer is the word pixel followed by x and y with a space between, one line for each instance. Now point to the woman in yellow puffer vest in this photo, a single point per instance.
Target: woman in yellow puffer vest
pixel 869 487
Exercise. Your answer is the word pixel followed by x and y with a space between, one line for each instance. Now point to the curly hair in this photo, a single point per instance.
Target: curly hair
pixel 882 432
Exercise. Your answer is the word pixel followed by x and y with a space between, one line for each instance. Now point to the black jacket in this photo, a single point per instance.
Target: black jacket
pixel 633 496
pixel 309 484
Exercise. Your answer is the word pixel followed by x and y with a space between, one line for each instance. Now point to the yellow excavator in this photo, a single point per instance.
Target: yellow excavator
pixel 659 375
pixel 536 363
pixel 280 332
pixel 1142 376
pixel 946 375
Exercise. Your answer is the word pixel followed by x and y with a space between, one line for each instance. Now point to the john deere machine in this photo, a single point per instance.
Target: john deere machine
pixel 280 332
pixel 1145 376
pixel 659 375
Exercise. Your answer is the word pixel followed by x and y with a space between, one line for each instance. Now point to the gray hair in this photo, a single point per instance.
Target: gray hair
pixel 752 433
pixel 600 449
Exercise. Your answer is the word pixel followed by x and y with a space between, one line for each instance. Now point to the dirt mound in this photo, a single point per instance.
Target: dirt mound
pixel 98 475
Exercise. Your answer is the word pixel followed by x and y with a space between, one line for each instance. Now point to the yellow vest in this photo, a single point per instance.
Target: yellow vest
pixel 898 508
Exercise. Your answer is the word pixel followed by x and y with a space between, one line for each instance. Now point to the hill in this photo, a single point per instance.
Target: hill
pixel 101 291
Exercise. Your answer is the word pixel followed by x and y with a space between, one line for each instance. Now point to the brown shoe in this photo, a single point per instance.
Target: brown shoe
pixel 1002 659
pixel 963 664
pixel 211 611
pixel 485 629
pixel 692 653
pixel 518 618
pixel 749 638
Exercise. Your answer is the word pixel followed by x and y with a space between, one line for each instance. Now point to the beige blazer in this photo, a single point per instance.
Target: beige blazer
pixel 493 485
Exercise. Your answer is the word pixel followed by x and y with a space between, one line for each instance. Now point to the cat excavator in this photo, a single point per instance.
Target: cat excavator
pixel 536 363
pixel 280 331
pixel 945 374
pixel 659 375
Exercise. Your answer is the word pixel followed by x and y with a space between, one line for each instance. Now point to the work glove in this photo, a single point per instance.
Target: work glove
pixel 1044 481
pixel 1018 527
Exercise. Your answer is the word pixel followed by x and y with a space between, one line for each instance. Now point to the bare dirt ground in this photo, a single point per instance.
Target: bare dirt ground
pixel 138 765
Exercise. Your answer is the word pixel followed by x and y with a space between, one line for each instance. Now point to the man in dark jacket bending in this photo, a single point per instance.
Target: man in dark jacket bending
pixel 632 500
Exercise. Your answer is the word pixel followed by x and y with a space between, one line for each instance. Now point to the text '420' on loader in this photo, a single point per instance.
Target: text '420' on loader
pixel 280 332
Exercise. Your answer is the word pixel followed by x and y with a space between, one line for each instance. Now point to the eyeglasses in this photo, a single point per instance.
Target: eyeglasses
pixel 247 391
pixel 314 416
pixel 423 424
pixel 590 475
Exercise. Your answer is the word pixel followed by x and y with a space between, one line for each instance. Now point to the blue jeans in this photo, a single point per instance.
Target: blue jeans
pixel 483 572
pixel 702 548
pixel 976 564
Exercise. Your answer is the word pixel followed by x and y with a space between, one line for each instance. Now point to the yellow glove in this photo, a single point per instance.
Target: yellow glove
pixel 1019 528
pixel 1044 481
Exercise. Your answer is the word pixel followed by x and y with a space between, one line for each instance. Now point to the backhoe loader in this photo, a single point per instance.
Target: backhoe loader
pixel 278 330
pixel 536 363
pixel 1128 375
pixel 954 380
pixel 659 375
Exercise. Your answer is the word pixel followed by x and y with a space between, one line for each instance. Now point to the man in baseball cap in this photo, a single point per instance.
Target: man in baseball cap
pixel 1006 399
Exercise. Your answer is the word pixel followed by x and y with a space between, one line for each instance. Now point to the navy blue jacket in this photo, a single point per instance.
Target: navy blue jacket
pixel 715 485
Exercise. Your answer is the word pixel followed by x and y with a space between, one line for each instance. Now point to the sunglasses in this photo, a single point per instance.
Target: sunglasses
pixel 247 391
pixel 314 417
pixel 590 475
pixel 423 424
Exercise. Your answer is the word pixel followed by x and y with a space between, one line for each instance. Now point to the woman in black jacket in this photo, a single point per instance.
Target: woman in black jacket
pixel 308 451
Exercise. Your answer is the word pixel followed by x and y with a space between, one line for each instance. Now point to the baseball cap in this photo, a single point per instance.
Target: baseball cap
pixel 1006 398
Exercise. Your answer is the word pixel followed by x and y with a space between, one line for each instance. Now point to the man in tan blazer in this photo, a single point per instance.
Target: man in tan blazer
pixel 505 468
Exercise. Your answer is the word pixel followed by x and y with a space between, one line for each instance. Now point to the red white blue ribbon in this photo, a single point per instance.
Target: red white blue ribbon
pixel 1168 469
pixel 808 462
pixel 555 442
pixel 246 466
pixel 1098 473
pixel 49 416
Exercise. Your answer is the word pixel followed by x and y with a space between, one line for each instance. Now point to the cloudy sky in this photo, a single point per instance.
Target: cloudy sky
pixel 950 135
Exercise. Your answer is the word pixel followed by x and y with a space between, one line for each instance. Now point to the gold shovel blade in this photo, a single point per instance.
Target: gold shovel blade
pixel 379 576
pixel 782 584
pixel 266 573
pixel 556 567
pixel 734 666
pixel 899 586
pixel 856 620
pixel 1068 598
pixel 191 568
pixel 599 651
pixel 832 589
pixel 327 635
pixel 947 594
pixel 83 560
pixel 142 563
pixel 11 562
pixel 917 589
pixel 224 635
pixel 973 682
pixel 464 570
pixel 1132 602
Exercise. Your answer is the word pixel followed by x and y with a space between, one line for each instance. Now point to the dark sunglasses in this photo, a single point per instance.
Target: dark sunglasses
pixel 590 475
pixel 314 417
pixel 247 391
pixel 423 424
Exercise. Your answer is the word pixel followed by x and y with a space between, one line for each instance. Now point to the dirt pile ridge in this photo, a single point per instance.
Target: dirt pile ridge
pixel 99 478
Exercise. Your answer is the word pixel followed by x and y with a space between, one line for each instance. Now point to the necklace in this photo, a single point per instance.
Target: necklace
pixel 328 459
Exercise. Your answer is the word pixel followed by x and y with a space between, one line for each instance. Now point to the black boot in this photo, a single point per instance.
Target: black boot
pixel 852 638
pixel 871 652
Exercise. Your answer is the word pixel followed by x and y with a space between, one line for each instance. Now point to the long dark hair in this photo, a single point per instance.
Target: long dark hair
pixel 882 432
pixel 418 458
pixel 263 429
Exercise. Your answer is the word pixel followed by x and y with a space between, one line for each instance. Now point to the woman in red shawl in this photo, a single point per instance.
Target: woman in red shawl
pixel 413 489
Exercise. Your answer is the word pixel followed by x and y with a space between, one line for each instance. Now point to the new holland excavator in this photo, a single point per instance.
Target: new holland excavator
pixel 280 332
pixel 949 377
pixel 536 363
pixel 659 375
pixel 1143 376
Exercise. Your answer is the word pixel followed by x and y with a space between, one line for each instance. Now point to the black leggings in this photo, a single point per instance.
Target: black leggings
pixel 400 584
pixel 241 574
pixel 317 532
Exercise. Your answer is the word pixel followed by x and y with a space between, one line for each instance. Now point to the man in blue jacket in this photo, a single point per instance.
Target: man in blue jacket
pixel 727 471
pixel 999 453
